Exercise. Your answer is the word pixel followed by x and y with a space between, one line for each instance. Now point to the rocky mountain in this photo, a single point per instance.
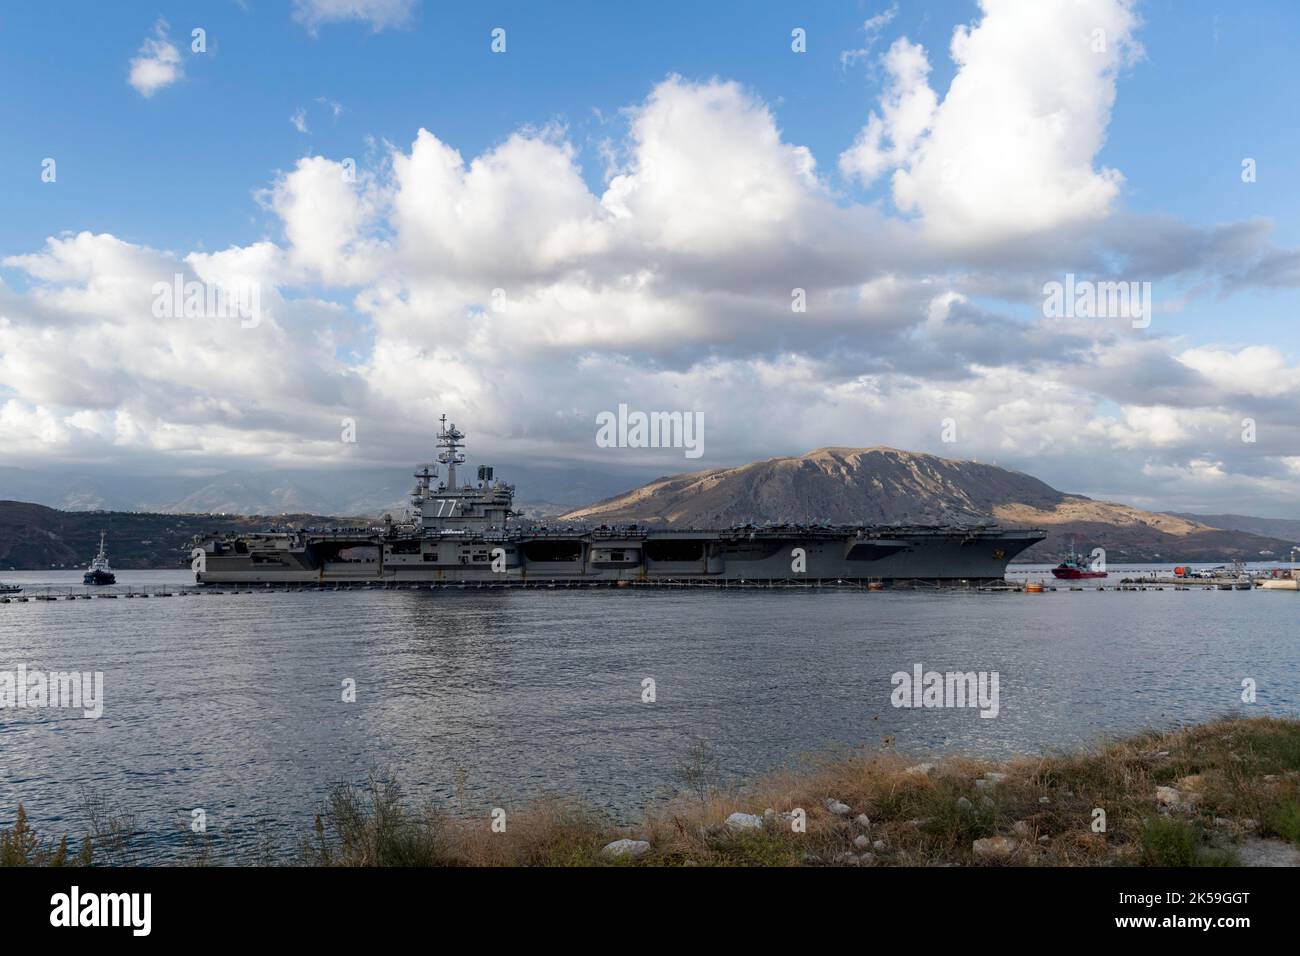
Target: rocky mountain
pixel 886 486
pixel 835 485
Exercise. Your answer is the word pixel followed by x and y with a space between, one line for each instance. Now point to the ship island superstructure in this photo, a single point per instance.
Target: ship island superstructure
pixel 465 533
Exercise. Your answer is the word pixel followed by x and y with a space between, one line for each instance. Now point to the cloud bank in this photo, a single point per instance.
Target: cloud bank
pixel 501 289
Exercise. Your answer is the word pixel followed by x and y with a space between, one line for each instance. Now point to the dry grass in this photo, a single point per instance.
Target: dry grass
pixel 20 845
pixel 1238 779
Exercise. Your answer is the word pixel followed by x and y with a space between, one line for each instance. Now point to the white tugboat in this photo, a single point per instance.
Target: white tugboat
pixel 99 572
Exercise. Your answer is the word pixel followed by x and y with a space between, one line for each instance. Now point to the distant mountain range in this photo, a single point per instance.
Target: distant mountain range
pixel 887 486
pixel 1287 528
pixel 36 537
pixel 371 492
pixel 151 520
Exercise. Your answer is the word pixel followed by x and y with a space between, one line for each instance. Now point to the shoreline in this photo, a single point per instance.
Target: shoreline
pixel 1221 793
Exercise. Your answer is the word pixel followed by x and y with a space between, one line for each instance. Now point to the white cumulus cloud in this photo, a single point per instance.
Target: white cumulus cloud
pixel 1009 149
pixel 157 65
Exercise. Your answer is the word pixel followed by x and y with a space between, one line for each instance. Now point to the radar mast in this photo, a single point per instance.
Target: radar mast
pixel 450 441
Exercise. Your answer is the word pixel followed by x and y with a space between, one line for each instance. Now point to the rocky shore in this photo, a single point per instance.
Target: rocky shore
pixel 1224 793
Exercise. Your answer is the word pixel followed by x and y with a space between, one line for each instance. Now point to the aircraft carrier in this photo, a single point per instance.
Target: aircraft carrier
pixel 462 534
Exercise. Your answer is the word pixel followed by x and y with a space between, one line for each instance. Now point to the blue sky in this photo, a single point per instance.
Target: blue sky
pixel 1218 82
pixel 210 161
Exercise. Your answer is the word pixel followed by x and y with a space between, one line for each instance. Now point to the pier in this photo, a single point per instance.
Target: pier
pixel 49 593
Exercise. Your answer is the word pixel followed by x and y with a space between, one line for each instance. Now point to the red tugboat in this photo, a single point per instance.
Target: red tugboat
pixel 1074 567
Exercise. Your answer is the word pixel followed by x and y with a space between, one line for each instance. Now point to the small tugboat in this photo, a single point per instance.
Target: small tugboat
pixel 10 588
pixel 99 572
pixel 1074 567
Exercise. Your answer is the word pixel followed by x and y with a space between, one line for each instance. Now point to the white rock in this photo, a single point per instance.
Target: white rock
pixel 987 803
pixel 994 777
pixel 743 821
pixel 878 846
pixel 1168 797
pixel 994 848
pixel 861 842
pixel 1044 800
pixel 837 808
pixel 863 821
pixel 625 848
pixel 963 804
pixel 920 768
pixel 1021 829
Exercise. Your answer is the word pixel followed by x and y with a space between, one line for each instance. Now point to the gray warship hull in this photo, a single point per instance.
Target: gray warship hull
pixel 889 556
pixel 461 535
